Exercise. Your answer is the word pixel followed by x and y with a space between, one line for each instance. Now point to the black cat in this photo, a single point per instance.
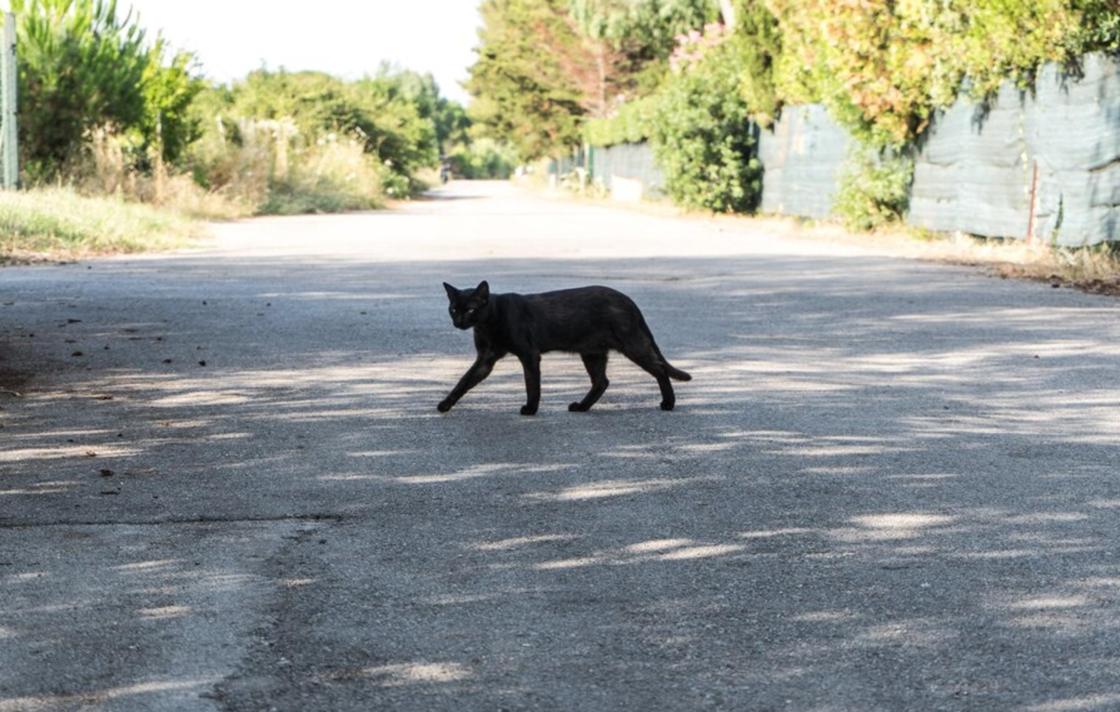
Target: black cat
pixel 589 321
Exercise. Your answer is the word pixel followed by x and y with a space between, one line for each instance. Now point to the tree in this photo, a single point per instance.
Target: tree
pixel 449 118
pixel 81 67
pixel 637 37
pixel 645 30
pixel 545 65
pixel 169 87
pixel 529 76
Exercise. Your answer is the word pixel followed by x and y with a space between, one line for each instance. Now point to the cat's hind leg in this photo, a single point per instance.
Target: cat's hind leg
pixel 654 365
pixel 596 365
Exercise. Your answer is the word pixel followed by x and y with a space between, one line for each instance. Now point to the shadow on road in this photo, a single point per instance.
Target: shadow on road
pixel 909 498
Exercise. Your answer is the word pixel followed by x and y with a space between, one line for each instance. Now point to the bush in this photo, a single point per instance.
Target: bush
pixel 168 126
pixel 884 67
pixel 105 170
pixel 703 140
pixel 311 107
pixel 82 67
pixel 235 160
pixel 1099 27
pixel 633 123
pixel 267 167
pixel 330 177
pixel 483 158
pixel 874 190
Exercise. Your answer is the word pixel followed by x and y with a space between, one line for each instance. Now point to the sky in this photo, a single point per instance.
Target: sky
pixel 348 38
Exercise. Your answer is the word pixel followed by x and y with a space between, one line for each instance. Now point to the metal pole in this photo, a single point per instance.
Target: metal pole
pixel 9 134
pixel 1033 204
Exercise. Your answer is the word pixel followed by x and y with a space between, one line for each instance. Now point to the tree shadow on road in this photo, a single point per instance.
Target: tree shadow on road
pixel 906 502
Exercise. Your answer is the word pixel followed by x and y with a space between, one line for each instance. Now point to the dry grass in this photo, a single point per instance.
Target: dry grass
pixel 329 177
pixel 60 223
pixel 1091 269
pixel 105 171
pixel 106 205
pixel 269 172
pixel 265 172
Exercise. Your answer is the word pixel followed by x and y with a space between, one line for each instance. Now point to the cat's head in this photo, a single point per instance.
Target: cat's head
pixel 468 306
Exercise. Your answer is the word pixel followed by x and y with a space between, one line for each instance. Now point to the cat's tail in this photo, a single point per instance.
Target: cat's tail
pixel 673 372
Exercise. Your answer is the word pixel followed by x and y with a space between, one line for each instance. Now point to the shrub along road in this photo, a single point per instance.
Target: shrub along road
pixel 891 485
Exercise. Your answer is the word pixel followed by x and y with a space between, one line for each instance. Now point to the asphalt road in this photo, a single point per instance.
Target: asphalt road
pixel 891 485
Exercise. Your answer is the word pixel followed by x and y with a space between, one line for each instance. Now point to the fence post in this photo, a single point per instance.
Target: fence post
pixel 1033 203
pixel 9 134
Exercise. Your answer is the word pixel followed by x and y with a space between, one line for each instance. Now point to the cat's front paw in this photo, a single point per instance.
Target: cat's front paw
pixel 444 406
pixel 667 405
pixel 578 408
pixel 528 410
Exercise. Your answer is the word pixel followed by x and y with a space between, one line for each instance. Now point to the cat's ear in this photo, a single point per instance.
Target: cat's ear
pixel 483 290
pixel 451 291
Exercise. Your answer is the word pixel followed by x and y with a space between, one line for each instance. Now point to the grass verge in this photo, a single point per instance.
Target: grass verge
pixel 58 223
pixel 1093 269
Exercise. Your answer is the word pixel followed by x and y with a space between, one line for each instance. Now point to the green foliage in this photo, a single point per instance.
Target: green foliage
pixel 874 190
pixel 80 67
pixel 482 159
pixel 632 124
pixel 328 178
pixel 376 112
pixel 449 119
pixel 288 142
pixel 756 44
pixel 526 81
pixel 645 30
pixel 1099 27
pixel 169 87
pixel 107 109
pixel 884 66
pixel 703 140
pixel 545 66
pixel 83 66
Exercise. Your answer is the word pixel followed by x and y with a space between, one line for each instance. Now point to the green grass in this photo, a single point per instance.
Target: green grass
pixel 60 223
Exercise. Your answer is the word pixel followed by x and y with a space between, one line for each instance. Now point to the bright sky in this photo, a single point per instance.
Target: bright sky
pixel 344 37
